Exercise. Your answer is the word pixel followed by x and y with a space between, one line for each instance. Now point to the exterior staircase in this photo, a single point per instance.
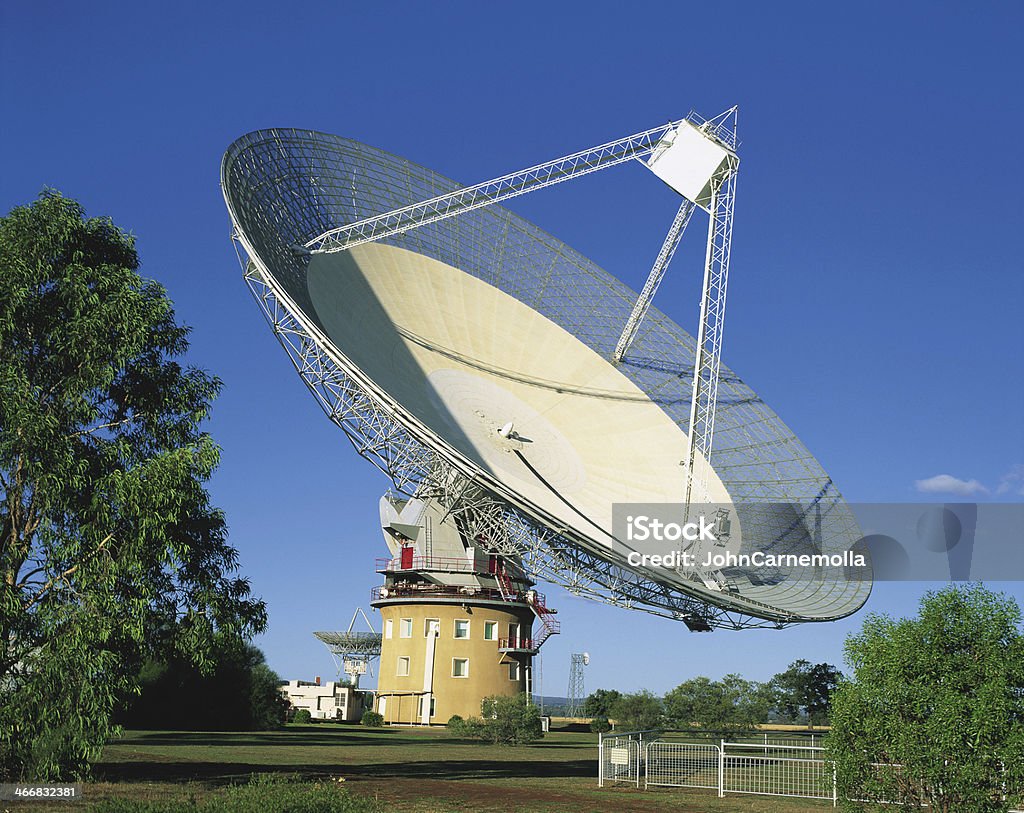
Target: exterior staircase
pixel 549 626
pixel 508 591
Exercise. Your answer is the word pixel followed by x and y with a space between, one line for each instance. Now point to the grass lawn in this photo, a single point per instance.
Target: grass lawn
pixel 407 769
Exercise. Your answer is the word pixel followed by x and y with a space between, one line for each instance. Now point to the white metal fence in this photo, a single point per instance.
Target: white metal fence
pixel 620 757
pixel 764 765
pixel 777 770
pixel 682 764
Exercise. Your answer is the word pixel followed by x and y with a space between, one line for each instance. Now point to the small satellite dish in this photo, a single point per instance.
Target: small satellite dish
pixel 586 659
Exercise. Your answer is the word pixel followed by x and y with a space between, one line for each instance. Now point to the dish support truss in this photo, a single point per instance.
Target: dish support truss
pixel 414 469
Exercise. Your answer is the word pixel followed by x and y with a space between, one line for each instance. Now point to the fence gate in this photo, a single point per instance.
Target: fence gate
pixel 779 770
pixel 682 764
pixel 620 757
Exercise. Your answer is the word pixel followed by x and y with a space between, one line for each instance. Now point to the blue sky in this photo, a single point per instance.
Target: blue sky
pixel 876 289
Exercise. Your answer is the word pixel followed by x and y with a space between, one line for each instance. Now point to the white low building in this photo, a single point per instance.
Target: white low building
pixel 325 701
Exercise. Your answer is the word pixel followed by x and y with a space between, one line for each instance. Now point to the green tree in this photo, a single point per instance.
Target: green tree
pixel 731 704
pixel 933 712
pixel 238 693
pixel 110 548
pixel 638 711
pixel 599 703
pixel 268 708
pixel 804 691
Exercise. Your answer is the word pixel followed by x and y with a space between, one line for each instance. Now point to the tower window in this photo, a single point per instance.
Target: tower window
pixel 405 628
pixel 389 626
pixel 461 628
pixel 490 630
pixel 460 667
pixel 513 671
pixel 403 666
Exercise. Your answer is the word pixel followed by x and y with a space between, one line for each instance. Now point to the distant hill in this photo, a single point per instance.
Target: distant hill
pixel 551 703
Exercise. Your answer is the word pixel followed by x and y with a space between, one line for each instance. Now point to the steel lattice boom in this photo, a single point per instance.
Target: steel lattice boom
pixel 508 186
pixel 643 302
pixel 708 361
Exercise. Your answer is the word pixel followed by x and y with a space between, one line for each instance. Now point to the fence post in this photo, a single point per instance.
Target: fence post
pixel 600 759
pixel 647 748
pixel 835 786
pixel 639 752
pixel 721 769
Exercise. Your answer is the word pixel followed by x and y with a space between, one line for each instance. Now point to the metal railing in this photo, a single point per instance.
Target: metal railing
pixel 620 757
pixel 448 564
pixel 683 765
pixel 387 592
pixel 765 768
pixel 768 766
pixel 516 643
pixel 776 770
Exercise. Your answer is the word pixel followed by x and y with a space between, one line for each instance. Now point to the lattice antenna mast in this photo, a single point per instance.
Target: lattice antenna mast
pixel 694 156
pixel 577 693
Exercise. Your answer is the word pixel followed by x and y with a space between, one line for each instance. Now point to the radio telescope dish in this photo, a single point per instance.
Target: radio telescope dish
pixel 353 650
pixel 475 361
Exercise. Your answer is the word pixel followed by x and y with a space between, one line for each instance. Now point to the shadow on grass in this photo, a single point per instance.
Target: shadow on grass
pixel 287 737
pixel 311 736
pixel 220 773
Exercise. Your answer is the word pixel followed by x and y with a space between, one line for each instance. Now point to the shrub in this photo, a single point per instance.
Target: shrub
pixel 600 725
pixel 510 720
pixel 466 729
pixel 372 719
pixel 302 716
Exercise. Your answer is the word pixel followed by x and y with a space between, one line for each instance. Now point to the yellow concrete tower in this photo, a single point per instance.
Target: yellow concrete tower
pixel 458 623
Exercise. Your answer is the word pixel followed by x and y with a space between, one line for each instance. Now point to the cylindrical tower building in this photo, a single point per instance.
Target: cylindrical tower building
pixel 458 623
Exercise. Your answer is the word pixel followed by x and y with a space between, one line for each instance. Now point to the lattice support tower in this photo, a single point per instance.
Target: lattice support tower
pixel 577 692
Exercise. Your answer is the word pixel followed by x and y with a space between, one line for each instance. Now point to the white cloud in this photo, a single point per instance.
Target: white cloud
pixel 948 484
pixel 1012 481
